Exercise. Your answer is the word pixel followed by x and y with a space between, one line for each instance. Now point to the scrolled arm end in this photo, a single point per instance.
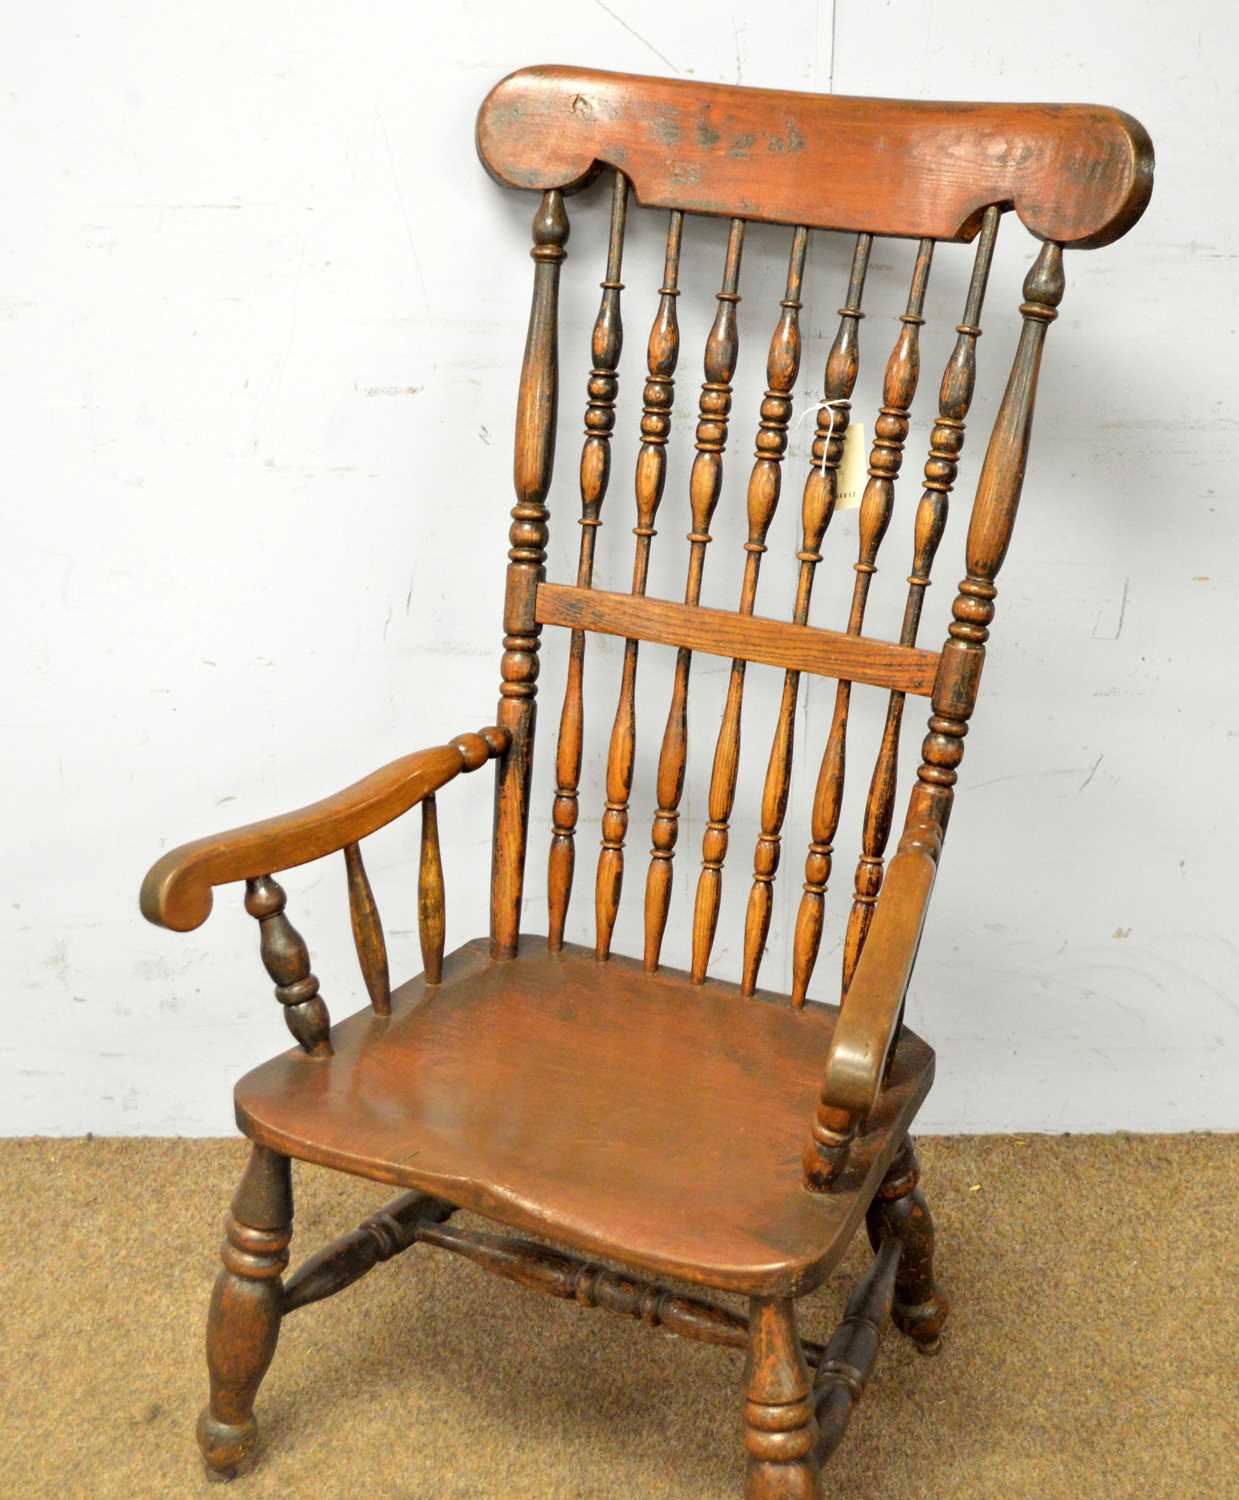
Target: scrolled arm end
pixel 869 1019
pixel 174 893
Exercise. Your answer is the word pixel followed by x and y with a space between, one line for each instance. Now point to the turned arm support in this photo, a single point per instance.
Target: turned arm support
pixel 177 890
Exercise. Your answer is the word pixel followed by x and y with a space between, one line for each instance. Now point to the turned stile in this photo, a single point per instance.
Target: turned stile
pixel 765 483
pixel 602 388
pixel 367 931
pixel 705 483
pixel 886 456
pixel 662 355
pixel 532 470
pixel 989 535
pixel 287 960
pixel 817 508
pixel 946 442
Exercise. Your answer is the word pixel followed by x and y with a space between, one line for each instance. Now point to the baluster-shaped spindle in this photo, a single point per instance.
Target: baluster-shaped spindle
pixel 705 482
pixel 532 470
pixel 287 959
pixel 367 931
pixel 890 431
pixel 603 386
pixel 662 354
pixel 431 900
pixel 842 366
pixel 946 442
pixel 989 534
pixel 765 482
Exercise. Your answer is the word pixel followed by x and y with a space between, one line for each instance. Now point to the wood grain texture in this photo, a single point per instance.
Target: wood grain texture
pixel 765 486
pixel 843 1371
pixel 543 1268
pixel 367 928
pixel 654 1123
pixel 603 387
pixel 1079 174
pixel 246 1306
pixel 946 442
pixel 989 535
pixel 704 486
pixel 662 356
pixel 347 1259
pixel 532 1093
pixel 176 892
pixel 754 638
pixel 899 1212
pixel 899 383
pixel 537 405
pixel 817 508
pixel 431 896
pixel 780 1426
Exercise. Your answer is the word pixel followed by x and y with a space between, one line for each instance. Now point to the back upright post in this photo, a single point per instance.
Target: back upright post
pixel 989 535
pixel 535 458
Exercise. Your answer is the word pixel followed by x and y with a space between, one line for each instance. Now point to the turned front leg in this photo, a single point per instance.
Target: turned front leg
pixel 780 1429
pixel 244 1320
pixel 900 1210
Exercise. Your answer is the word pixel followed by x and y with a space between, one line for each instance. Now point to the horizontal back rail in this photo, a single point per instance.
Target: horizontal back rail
pixel 750 638
pixel 1078 174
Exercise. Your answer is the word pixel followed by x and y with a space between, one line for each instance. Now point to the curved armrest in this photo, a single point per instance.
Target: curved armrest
pixel 177 890
pixel 870 1015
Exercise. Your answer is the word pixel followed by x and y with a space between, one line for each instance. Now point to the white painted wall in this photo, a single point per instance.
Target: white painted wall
pixel 262 316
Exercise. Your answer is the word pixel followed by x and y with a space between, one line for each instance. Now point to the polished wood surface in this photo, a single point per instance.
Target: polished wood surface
pixel 946 442
pixel 765 487
pixel 537 406
pixel 704 487
pixel 553 1102
pixel 817 509
pixel 631 1120
pixel 720 632
pixel 602 388
pixel 899 383
pixel 1078 174
pixel 662 356
pixel 176 892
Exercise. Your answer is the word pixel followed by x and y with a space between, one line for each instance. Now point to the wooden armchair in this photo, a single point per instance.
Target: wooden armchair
pixel 540 1084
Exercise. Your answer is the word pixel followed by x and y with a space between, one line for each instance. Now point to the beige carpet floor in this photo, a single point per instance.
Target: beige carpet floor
pixel 1091 1352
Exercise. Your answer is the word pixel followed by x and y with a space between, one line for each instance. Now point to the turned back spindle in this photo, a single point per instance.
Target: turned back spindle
pixel 941 177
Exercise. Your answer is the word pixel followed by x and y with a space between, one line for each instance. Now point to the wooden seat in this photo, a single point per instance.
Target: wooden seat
pixel 662 1122
pixel 627 1114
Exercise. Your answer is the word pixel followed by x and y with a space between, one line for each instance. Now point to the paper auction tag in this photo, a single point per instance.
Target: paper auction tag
pixel 853 471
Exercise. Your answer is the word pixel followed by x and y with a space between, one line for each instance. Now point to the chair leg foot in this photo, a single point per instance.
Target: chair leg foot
pixel 920 1307
pixel 244 1321
pixel 780 1429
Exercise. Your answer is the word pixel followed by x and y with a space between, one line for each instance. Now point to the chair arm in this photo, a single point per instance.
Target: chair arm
pixel 869 1019
pixel 177 890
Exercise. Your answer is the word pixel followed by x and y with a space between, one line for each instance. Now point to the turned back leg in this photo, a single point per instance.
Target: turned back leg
pixel 244 1321
pixel 779 1426
pixel 920 1308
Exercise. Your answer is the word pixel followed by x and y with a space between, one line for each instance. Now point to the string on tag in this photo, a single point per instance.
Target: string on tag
pixel 813 410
